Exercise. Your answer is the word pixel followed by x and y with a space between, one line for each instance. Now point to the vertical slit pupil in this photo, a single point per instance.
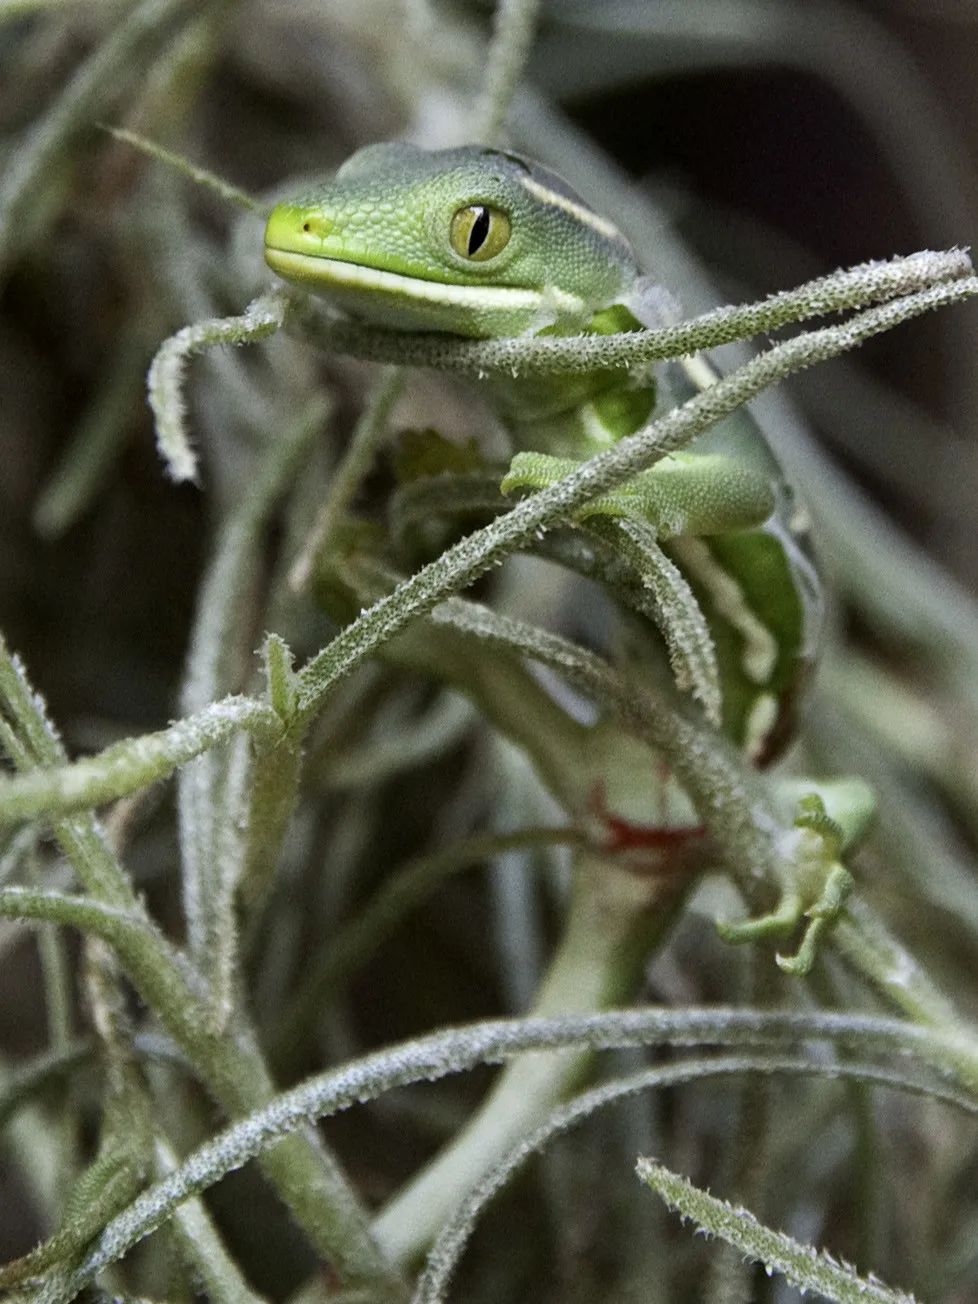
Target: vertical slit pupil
pixel 480 230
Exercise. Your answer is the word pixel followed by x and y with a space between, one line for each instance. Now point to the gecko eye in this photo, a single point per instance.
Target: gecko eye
pixel 479 232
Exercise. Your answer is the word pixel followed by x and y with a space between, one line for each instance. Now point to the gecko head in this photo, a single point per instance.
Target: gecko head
pixel 472 241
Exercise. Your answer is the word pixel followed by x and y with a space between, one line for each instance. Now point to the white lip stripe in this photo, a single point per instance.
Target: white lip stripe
pixel 333 271
pixel 577 211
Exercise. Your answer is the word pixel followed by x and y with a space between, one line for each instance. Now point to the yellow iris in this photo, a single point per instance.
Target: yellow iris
pixel 479 232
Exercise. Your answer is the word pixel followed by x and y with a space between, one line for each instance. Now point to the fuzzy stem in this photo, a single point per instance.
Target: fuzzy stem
pixel 229 1062
pixel 948 274
pixel 201 1246
pixel 512 38
pixel 801 1265
pixel 615 920
pixel 130 765
pixel 460 565
pixel 867 945
pixel 302 1169
pixel 433 1057
pixel 357 460
pixel 217 655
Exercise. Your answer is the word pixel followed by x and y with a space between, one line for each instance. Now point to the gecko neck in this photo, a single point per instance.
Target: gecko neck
pixel 577 415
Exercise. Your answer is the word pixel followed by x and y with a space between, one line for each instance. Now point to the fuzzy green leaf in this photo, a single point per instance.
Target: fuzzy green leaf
pixel 801 1265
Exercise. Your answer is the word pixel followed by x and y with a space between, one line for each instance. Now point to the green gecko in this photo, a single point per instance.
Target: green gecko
pixel 483 243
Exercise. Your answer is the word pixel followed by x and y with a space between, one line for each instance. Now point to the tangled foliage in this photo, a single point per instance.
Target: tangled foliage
pixel 270 856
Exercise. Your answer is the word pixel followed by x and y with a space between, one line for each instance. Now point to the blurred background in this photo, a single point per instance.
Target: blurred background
pixel 754 144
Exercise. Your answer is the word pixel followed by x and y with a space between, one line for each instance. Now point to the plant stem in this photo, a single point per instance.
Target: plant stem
pixel 551 355
pixel 230 1064
pixel 867 945
pixel 463 563
pixel 305 1173
pixel 512 38
pixel 439 1054
pixel 355 465
pixel 615 920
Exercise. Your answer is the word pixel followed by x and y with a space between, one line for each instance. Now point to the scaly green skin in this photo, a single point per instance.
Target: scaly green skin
pixel 380 241
pixel 375 241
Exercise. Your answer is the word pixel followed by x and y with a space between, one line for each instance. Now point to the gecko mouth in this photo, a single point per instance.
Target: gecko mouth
pixel 324 274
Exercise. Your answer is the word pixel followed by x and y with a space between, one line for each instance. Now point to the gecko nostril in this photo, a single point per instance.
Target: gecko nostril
pixel 316 224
